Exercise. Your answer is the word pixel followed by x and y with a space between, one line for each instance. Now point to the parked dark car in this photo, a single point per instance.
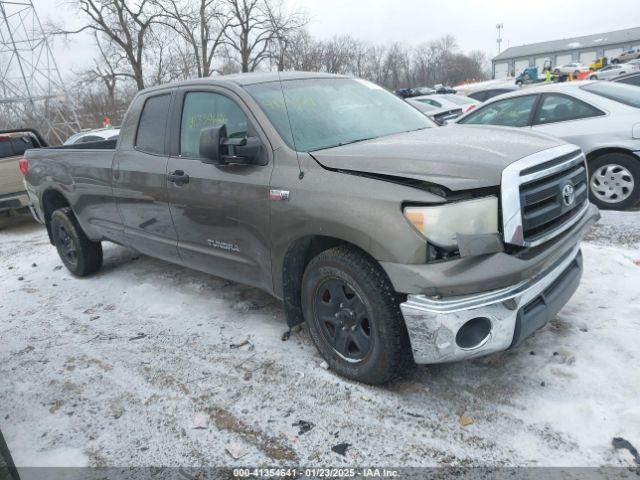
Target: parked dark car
pixel 395 241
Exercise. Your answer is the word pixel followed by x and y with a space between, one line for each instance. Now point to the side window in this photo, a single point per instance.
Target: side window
pixel 632 80
pixel 207 109
pixel 510 112
pixel 153 120
pixel 21 144
pixel 560 108
pixel 6 149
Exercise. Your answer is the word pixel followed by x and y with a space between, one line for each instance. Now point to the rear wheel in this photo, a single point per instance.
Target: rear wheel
pixel 614 181
pixel 593 77
pixel 79 254
pixel 354 317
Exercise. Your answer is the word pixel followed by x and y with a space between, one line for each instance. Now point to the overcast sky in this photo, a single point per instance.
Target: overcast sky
pixel 472 22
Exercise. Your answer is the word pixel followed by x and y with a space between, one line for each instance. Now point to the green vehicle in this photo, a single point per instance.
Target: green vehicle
pixel 529 75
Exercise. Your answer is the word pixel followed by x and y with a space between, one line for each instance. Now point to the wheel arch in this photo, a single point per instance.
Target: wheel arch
pixel 592 155
pixel 52 200
pixel 296 258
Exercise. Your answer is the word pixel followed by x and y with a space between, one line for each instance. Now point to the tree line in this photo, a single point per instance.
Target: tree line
pixel 148 42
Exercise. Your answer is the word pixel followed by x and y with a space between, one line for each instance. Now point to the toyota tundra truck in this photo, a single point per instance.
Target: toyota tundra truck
pixel 395 241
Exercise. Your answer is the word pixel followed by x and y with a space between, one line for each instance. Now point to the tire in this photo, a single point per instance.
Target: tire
pixel 367 323
pixel 593 77
pixel 80 255
pixel 615 60
pixel 556 72
pixel 575 74
pixel 614 181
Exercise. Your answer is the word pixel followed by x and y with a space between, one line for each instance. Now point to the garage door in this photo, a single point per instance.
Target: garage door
pixel 520 65
pixel 612 52
pixel 501 70
pixel 563 59
pixel 541 62
pixel 587 57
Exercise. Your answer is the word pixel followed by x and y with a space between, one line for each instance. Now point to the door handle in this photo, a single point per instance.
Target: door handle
pixel 178 177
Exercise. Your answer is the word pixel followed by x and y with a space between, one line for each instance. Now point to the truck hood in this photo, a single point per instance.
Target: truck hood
pixel 457 157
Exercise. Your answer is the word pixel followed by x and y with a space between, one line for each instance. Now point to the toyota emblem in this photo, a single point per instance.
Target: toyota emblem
pixel 568 195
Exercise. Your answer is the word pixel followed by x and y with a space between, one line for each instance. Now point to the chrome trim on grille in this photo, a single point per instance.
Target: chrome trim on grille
pixel 510 192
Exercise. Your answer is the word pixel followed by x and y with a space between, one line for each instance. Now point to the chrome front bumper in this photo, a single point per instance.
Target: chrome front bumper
pixel 515 312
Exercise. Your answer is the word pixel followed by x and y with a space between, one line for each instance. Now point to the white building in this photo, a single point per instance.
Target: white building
pixel 558 52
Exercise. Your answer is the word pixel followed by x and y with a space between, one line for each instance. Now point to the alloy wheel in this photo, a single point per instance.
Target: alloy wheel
pixel 343 319
pixel 67 245
pixel 612 183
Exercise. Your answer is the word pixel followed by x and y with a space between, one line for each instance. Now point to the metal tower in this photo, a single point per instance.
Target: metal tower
pixel 32 93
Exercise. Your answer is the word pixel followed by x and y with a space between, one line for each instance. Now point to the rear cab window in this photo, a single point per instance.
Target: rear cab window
pixel 560 108
pixel 625 94
pixel 151 135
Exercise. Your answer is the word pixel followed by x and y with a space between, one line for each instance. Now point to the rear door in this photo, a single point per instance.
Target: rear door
pixel 221 212
pixel 140 178
pixel 567 117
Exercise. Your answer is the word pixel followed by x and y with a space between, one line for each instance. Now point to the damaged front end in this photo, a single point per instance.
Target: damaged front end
pixel 462 327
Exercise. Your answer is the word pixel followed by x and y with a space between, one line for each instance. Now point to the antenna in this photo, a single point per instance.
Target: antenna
pixel 499 27
pixel 32 93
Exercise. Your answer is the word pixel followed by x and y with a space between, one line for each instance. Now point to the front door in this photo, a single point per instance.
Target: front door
pixel 140 181
pixel 221 212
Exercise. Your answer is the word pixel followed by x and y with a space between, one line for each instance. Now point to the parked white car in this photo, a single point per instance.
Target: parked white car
pixel 449 101
pixel 96 135
pixel 602 118
pixel 570 68
pixel 612 71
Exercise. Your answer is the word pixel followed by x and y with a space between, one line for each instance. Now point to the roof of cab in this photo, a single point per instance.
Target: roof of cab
pixel 243 79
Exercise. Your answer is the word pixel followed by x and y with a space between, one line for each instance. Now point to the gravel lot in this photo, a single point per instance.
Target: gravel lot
pixel 114 369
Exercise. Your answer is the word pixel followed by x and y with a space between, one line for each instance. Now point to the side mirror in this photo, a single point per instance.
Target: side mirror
pixel 211 144
pixel 217 149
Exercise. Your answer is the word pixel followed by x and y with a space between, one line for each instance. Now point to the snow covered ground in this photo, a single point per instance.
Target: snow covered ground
pixel 113 370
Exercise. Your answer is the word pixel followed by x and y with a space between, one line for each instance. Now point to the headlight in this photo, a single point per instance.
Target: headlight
pixel 440 224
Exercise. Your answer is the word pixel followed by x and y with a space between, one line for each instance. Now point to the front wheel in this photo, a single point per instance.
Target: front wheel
pixel 354 317
pixel 593 77
pixel 79 254
pixel 614 181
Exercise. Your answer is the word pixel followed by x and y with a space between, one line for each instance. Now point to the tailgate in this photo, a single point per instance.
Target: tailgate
pixel 10 176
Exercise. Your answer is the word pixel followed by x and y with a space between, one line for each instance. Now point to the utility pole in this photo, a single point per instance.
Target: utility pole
pixel 499 27
pixel 32 93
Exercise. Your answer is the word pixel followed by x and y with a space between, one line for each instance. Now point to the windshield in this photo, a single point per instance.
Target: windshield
pixel 328 112
pixel 627 94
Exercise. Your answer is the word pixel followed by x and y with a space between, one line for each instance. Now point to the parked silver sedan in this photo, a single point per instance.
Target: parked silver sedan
pixel 603 118
pixel 612 71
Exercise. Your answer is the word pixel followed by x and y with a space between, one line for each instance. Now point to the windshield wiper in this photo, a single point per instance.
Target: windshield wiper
pixel 355 141
pixel 342 144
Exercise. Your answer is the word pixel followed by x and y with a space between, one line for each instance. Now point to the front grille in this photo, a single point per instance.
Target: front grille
pixel 543 205
pixel 543 195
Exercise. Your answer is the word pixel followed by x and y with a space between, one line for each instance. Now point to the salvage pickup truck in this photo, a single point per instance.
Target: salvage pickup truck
pixel 395 241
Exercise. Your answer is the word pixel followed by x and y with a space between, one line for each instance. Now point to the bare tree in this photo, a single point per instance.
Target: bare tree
pixel 254 26
pixel 201 24
pixel 125 23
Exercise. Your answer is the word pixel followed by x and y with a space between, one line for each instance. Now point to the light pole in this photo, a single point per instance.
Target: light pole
pixel 499 27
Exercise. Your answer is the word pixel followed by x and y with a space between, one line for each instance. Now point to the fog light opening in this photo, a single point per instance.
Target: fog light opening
pixel 474 333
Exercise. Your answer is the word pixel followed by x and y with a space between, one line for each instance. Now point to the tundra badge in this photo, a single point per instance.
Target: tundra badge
pixel 279 195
